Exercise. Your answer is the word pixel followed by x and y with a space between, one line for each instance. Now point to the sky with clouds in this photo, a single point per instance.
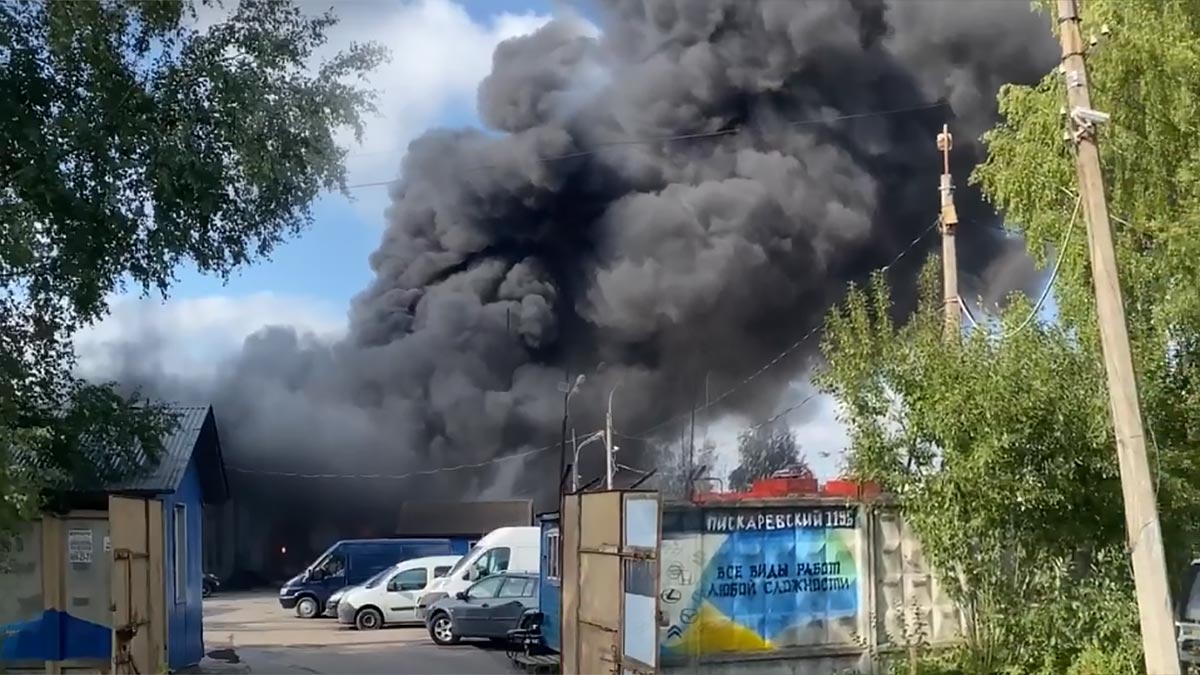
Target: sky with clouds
pixel 440 50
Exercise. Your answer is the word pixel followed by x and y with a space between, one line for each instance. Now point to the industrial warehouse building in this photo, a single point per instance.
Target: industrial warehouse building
pixel 115 577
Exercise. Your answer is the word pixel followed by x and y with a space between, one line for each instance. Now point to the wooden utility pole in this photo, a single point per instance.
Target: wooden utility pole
pixel 949 222
pixel 1137 487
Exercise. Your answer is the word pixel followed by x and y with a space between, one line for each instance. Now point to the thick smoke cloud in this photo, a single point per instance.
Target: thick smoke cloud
pixel 550 243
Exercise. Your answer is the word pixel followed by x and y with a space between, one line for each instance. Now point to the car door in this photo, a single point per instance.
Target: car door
pixel 403 589
pixel 472 614
pixel 504 612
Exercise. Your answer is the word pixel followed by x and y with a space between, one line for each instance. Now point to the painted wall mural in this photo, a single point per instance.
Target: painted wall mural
pixel 758 579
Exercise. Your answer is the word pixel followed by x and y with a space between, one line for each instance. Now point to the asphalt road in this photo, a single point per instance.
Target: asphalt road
pixel 251 633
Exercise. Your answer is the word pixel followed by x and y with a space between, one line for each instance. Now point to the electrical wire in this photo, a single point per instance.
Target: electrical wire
pixel 602 145
pixel 1037 307
pixel 526 453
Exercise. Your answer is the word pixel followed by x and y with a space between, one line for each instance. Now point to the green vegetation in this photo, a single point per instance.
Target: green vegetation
pixel 134 144
pixel 1001 446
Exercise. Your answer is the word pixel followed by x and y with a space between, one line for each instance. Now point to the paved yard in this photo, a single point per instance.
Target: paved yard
pixel 250 632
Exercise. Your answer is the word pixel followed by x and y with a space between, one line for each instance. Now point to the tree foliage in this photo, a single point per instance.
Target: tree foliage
pixel 762 451
pixel 1001 447
pixel 134 143
pixel 674 463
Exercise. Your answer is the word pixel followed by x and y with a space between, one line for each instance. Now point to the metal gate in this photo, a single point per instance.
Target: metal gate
pixel 610 541
pixel 137 585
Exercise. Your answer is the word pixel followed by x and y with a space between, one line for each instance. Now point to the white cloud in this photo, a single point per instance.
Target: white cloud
pixel 187 337
pixel 438 57
pixel 439 54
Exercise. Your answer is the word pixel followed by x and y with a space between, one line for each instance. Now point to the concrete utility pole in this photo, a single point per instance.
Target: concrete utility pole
pixel 949 246
pixel 609 448
pixel 1141 511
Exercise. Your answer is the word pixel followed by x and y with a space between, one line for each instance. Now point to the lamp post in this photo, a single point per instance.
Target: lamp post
pixel 575 477
pixel 568 391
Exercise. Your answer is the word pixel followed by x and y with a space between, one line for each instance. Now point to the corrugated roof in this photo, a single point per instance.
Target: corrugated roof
pixel 176 453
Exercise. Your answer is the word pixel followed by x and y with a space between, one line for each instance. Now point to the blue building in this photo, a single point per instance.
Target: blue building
pixel 550 582
pixel 116 555
pixel 190 474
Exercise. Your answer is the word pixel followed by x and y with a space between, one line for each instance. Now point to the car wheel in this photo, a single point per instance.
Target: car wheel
pixel 368 618
pixel 441 629
pixel 307 608
pixel 205 591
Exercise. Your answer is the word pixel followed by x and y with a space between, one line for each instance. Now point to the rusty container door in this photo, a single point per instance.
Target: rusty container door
pixel 610 540
pixel 138 619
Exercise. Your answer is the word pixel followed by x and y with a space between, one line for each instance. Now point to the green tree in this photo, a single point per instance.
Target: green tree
pixel 1002 456
pixel 132 144
pixel 674 465
pixel 1002 447
pixel 1144 72
pixel 762 451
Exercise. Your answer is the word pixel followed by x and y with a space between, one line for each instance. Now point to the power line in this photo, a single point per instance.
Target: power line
pixel 1062 254
pixel 602 145
pixel 526 453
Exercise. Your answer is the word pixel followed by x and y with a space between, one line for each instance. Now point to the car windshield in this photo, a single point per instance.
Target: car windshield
pixel 462 562
pixel 378 578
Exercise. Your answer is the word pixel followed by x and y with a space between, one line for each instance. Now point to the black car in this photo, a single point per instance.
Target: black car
pixel 490 608
pixel 209 584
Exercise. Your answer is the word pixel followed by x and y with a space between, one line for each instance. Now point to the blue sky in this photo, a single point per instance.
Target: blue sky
pixel 328 263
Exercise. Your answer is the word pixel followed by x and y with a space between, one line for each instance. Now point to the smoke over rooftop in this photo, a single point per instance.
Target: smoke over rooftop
pixel 550 243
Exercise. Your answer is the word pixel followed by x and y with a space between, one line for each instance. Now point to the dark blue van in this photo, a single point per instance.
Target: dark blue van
pixel 351 562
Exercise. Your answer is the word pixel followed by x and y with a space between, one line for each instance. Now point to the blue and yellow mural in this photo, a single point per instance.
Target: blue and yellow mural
pixel 757 579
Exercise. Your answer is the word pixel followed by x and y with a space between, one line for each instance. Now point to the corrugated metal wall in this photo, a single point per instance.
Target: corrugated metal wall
pixel 791 586
pixel 55 595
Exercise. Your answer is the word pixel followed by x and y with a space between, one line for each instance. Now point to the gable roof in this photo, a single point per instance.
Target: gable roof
pixel 195 435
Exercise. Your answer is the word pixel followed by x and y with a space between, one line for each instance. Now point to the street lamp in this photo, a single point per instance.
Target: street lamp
pixel 568 391
pixel 595 436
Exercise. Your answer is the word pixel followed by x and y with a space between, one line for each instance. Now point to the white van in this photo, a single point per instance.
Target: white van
pixel 391 597
pixel 505 549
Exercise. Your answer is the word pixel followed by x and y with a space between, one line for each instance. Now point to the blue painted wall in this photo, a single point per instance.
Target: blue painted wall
pixel 549 590
pixel 185 612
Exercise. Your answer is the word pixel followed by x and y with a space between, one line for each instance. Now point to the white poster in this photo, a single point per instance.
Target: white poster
pixel 79 546
pixel 107 543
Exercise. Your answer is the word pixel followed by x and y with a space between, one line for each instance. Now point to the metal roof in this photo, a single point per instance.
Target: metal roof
pixel 176 453
pixel 100 470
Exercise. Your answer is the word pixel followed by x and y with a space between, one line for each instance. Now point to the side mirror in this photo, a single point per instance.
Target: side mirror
pixel 462 595
pixel 316 575
pixel 473 574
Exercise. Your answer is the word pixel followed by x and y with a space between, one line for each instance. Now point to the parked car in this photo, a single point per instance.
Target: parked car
pixel 331 604
pixel 391 597
pixel 505 549
pixel 349 563
pixel 209 585
pixel 489 608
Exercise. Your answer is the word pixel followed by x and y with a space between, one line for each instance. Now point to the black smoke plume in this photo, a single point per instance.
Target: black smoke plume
pixel 552 244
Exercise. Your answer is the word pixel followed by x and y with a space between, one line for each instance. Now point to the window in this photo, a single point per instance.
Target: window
pixel 553 550
pixel 494 561
pixel 181 577
pixel 488 588
pixel 335 566
pixel 516 587
pixel 409 580
pixel 440 571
